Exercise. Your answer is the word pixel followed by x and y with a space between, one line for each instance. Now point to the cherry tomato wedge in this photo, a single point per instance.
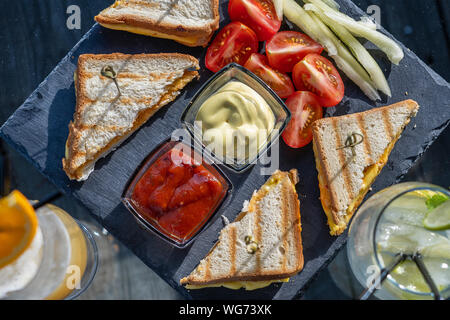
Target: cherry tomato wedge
pixel 305 109
pixel 234 43
pixel 279 82
pixel 286 48
pixel 259 15
pixel 318 75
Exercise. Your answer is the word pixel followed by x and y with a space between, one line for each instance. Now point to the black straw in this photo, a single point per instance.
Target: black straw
pixel 49 198
pixel 368 292
pixel 417 258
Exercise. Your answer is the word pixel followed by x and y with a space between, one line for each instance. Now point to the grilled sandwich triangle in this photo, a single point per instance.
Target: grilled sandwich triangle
pixel 189 22
pixel 263 245
pixel 111 104
pixel 350 152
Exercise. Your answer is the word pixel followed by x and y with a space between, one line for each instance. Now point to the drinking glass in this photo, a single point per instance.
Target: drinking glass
pixel 398 212
pixel 69 258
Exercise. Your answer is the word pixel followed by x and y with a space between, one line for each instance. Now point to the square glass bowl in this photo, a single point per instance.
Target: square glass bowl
pixel 159 224
pixel 235 72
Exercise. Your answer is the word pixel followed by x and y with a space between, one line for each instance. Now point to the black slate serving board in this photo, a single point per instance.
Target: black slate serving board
pixel 38 129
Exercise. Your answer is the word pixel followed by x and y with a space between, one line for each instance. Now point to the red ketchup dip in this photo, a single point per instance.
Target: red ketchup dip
pixel 177 194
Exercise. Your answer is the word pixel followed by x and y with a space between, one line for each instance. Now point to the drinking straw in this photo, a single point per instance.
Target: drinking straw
pixel 47 199
pixel 417 258
pixel 368 292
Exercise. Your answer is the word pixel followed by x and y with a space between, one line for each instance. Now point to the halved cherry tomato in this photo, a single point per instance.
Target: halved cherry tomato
pixel 279 82
pixel 260 15
pixel 286 48
pixel 234 43
pixel 318 75
pixel 305 109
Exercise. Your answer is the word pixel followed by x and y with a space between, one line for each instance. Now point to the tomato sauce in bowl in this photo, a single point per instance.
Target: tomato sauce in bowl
pixel 175 194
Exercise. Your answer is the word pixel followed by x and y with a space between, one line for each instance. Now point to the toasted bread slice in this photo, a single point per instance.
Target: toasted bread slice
pixel 103 118
pixel 346 173
pixel 271 222
pixel 190 22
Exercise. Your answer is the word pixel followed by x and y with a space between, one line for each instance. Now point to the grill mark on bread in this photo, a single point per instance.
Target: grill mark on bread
pixel 345 171
pixel 258 236
pixel 366 144
pixel 153 76
pixel 297 223
pixel 294 221
pixel 295 217
pixel 325 172
pixel 387 124
pixel 136 4
pixel 120 100
pixel 120 75
pixel 139 3
pixel 207 270
pixel 284 225
pixel 233 237
pixel 103 128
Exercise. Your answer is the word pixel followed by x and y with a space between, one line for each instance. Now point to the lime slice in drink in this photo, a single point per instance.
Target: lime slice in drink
pixel 438 218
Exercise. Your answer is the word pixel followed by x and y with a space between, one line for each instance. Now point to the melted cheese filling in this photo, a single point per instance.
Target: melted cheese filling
pixel 190 41
pixel 236 285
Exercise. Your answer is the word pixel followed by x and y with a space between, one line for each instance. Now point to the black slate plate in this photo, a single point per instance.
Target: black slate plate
pixel 38 129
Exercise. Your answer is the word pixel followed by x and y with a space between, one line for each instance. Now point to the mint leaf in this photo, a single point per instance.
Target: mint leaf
pixel 436 200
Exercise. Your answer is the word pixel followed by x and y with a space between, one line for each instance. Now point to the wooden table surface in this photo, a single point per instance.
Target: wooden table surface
pixel 34 37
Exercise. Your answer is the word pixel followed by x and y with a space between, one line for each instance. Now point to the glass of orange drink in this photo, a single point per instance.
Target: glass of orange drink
pixel 44 254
